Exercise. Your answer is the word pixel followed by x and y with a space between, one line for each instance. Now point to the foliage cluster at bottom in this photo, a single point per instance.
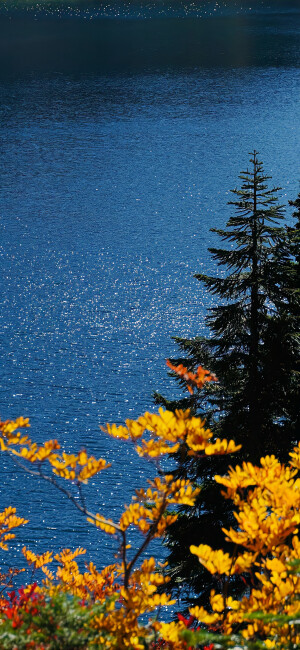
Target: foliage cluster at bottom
pixel 120 606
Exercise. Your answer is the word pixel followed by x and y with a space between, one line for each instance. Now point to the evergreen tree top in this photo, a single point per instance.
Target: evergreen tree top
pixel 254 195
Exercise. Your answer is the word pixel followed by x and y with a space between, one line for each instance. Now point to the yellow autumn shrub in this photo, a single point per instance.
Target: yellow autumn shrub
pixel 128 588
pixel 267 546
pixel 266 501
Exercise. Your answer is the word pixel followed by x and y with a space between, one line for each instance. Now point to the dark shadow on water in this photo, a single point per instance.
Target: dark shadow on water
pixel 79 46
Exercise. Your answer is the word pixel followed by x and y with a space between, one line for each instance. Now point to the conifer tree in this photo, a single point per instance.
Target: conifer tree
pixel 240 323
pixel 251 401
pixel 282 344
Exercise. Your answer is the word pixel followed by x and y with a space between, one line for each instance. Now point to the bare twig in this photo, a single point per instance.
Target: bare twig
pixel 70 496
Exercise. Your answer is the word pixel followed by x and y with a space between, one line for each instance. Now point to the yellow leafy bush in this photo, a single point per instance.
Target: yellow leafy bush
pixel 128 589
pixel 267 544
pixel 266 499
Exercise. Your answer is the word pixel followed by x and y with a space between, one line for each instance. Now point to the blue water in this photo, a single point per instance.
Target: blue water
pixel 120 141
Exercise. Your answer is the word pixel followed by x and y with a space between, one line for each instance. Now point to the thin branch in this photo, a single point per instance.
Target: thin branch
pixel 81 495
pixel 147 540
pixel 70 496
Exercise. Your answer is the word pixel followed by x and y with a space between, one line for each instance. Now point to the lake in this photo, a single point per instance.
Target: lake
pixel 122 132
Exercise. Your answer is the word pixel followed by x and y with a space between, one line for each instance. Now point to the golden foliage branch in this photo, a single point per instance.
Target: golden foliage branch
pixel 131 590
pixel 267 501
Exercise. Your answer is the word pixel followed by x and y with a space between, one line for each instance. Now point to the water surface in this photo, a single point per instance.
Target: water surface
pixel 120 141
